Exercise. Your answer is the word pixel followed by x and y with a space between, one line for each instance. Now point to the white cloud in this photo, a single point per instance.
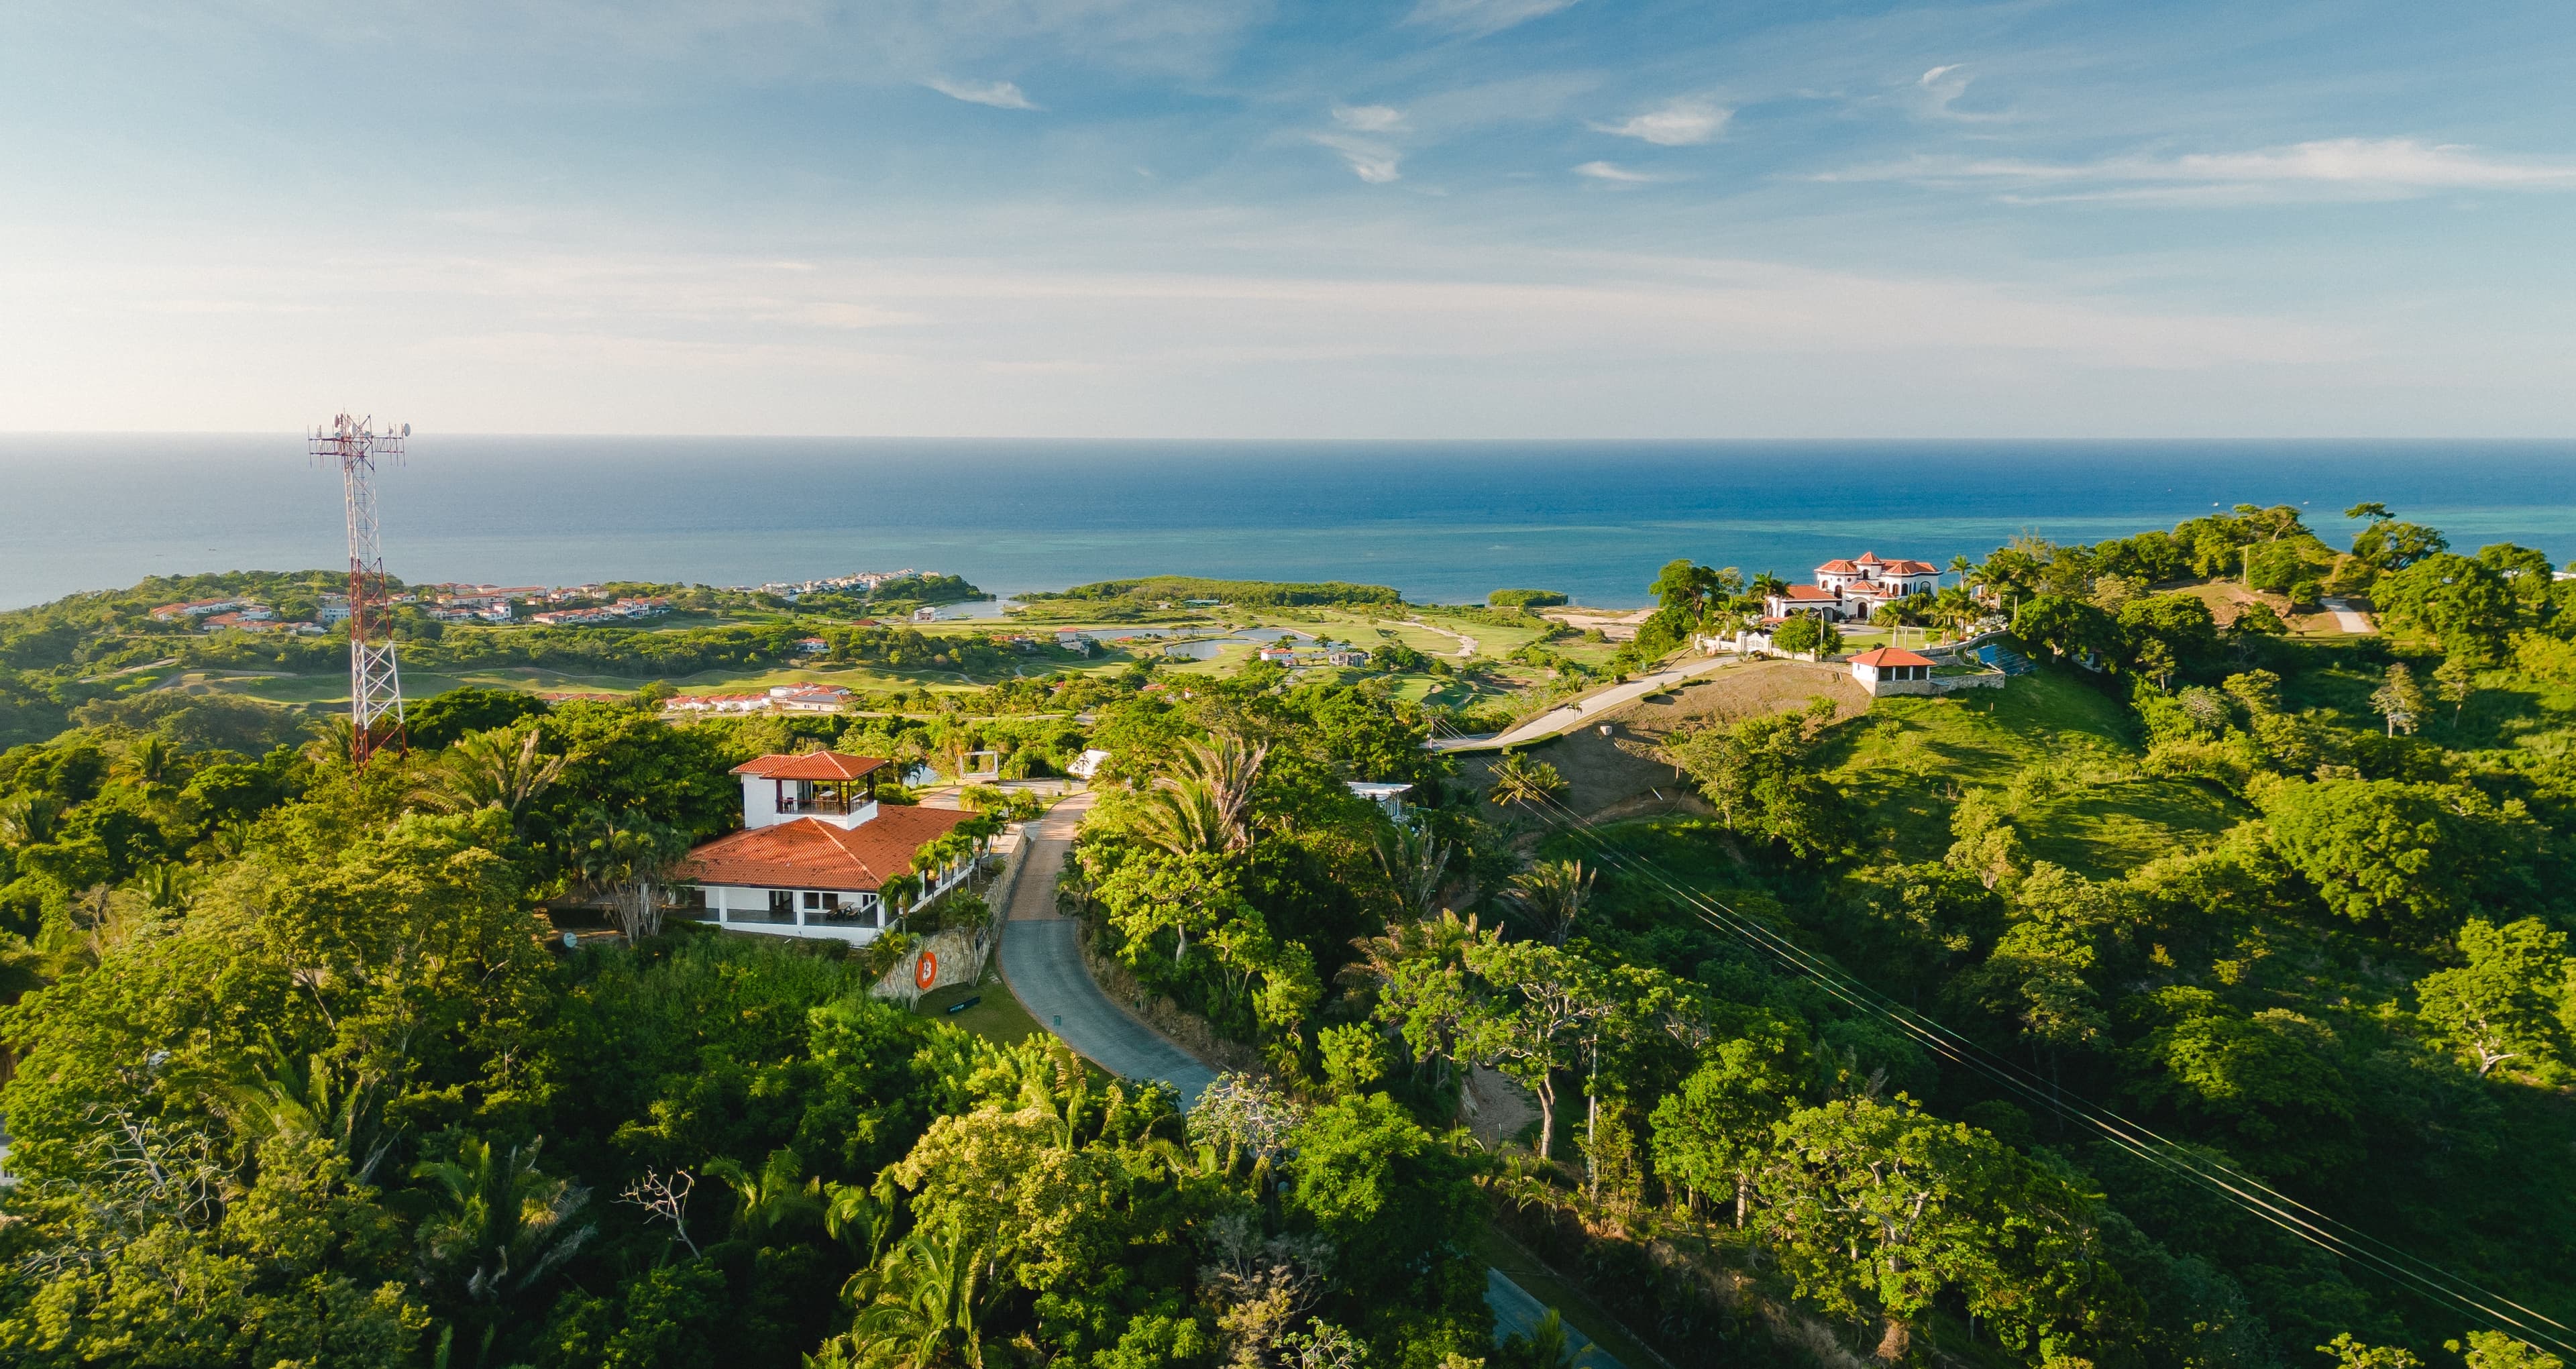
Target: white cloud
pixel 1369 118
pixel 1480 17
pixel 2333 168
pixel 1680 123
pixel 1941 87
pixel 1614 173
pixel 1370 160
pixel 998 94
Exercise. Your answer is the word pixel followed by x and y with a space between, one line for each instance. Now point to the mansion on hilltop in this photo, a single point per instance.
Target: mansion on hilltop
pixel 816 850
pixel 1850 591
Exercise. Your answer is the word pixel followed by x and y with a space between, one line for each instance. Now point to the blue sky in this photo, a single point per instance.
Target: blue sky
pixel 1224 218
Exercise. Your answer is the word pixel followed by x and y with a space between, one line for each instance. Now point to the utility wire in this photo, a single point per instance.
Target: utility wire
pixel 2251 1194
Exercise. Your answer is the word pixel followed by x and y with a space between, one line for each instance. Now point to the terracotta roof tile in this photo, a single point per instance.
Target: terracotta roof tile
pixel 811 765
pixel 812 854
pixel 1888 656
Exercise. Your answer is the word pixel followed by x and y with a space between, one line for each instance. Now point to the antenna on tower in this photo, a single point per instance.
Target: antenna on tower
pixel 375 684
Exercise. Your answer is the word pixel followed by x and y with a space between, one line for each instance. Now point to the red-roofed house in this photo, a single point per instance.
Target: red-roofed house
pixel 1852 590
pixel 816 849
pixel 1892 670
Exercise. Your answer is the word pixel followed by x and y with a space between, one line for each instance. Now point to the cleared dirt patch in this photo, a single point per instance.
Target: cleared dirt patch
pixel 1618 775
pixel 1744 691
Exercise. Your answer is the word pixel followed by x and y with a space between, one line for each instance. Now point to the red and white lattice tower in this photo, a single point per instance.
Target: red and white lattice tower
pixel 375 685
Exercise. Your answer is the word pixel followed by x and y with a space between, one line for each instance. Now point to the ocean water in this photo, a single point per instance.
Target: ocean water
pixel 1440 521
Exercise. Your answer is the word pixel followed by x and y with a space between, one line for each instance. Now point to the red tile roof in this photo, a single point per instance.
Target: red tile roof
pixel 812 854
pixel 1868 558
pixel 1887 656
pixel 1838 568
pixel 811 765
pixel 1911 568
pixel 1804 592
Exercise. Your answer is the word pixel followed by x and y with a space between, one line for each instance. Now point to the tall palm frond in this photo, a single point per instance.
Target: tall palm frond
pixel 168 885
pixel 1440 939
pixel 28 819
pixel 923 1305
pixel 631 862
pixel 1415 865
pixel 505 1227
pixel 1182 817
pixel 774 1199
pixel 331 738
pixel 1519 780
pixel 151 759
pixel 495 769
pixel 1218 775
pixel 310 1099
pixel 1554 894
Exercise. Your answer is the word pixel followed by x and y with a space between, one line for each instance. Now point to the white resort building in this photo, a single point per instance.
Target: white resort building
pixel 816 849
pixel 1850 591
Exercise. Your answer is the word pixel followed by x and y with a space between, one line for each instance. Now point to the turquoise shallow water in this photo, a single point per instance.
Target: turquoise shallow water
pixel 1437 520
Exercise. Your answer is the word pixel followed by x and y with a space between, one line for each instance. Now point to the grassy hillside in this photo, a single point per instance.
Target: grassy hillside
pixel 2065 751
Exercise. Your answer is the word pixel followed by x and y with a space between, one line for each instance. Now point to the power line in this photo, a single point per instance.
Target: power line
pixel 2254 1196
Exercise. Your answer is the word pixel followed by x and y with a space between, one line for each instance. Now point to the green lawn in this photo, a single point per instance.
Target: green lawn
pixel 331 688
pixel 1909 759
pixel 998 1018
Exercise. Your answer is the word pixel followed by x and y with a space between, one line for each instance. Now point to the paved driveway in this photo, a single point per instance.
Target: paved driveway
pixel 1042 964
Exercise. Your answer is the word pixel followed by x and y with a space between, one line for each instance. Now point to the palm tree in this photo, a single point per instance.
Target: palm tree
pixel 28 819
pixel 1518 779
pixel 168 885
pixel 922 1306
pixel 505 1227
pixel 1554 893
pixel 1442 939
pixel 485 770
pixel 773 1199
pixel 1182 817
pixel 1414 866
pixel 1206 803
pixel 631 863
pixel 1765 585
pixel 151 759
pixel 310 1100
pixel 331 739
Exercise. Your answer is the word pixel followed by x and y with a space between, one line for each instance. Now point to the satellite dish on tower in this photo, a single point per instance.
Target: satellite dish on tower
pixel 406 430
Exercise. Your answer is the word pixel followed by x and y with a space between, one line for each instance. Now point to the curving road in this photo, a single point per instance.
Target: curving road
pixel 1042 964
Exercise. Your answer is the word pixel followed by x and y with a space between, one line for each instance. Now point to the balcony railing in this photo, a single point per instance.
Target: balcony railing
pixel 823 803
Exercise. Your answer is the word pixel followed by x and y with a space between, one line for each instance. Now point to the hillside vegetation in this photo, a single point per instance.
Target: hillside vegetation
pixel 1813 1073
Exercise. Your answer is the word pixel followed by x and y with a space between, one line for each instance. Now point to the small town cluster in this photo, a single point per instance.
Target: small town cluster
pixel 501 604
pixel 247 615
pixel 865 581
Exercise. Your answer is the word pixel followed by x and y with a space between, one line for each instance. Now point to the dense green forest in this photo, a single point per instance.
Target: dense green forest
pixel 1813 1068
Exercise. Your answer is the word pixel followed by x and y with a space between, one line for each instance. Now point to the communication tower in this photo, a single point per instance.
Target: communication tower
pixel 375 685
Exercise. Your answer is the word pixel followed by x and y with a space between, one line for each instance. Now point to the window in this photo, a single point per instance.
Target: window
pixel 813 899
pixel 782 901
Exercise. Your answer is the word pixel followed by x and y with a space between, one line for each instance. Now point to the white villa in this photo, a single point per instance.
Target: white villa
pixel 1852 590
pixel 815 849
